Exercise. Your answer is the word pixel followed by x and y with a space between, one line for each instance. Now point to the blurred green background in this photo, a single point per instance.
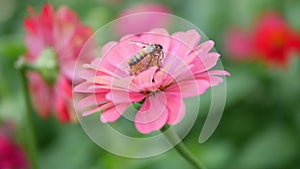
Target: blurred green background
pixel 260 128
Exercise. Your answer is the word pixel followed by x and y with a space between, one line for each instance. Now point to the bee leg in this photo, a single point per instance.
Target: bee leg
pixel 157 62
pixel 149 61
pixel 161 57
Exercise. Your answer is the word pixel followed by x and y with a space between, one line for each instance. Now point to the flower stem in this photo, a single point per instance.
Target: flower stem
pixel 180 147
pixel 31 143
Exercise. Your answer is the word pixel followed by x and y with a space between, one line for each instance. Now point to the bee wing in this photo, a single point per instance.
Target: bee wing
pixel 141 44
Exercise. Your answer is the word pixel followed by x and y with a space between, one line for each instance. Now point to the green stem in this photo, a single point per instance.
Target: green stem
pixel 180 147
pixel 31 143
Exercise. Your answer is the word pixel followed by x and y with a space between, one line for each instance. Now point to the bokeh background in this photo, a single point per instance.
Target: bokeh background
pixel 260 127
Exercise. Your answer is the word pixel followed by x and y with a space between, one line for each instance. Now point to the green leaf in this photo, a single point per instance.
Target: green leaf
pixel 72 150
pixel 274 147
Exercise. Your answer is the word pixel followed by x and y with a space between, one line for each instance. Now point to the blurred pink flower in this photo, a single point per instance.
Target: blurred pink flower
pixel 11 155
pixel 184 73
pixel 64 34
pixel 272 41
pixel 142 22
pixel 239 44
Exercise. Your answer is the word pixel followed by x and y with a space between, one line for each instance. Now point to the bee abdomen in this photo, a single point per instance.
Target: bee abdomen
pixel 138 57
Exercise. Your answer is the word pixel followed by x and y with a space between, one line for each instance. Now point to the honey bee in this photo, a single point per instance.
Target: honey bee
pixel 150 55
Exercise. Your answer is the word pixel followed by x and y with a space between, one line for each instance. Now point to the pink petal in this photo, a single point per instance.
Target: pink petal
pixel 64 14
pixel 162 78
pixel 87 73
pixel 111 82
pixel 102 107
pixel 176 108
pixel 219 72
pixel 130 37
pixel 68 69
pixel 190 38
pixel 62 108
pixel 145 78
pixel 189 88
pixel 212 76
pixel 63 35
pixel 200 51
pixel 104 80
pixel 210 60
pixel 63 99
pixel 182 43
pixel 92 100
pixel 178 49
pixel 180 70
pixel 35 45
pixel 113 113
pixel 42 94
pixel 116 56
pixel 46 20
pixel 205 62
pixel 83 87
pixel 96 62
pixel 158 35
pixel 119 96
pixel 107 47
pixel 205 47
pixel 153 114
pixel 30 22
pixel 214 80
pixel 64 86
pixel 239 44
pixel 93 69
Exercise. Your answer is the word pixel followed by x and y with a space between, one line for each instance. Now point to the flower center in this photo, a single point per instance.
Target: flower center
pixel 278 39
pixel 155 91
pixel 151 93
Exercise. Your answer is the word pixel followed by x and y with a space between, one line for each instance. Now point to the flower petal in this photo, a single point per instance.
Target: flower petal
pixel 190 38
pixel 239 44
pixel 102 107
pixel 158 35
pixel 113 113
pixel 205 47
pixel 107 47
pixel 42 94
pixel 176 108
pixel 92 100
pixel 120 96
pixel 153 114
pixel 189 88
pixel 83 87
pixel 212 76
pixel 62 111
pixel 219 72
pixel 206 62
pixel 182 43
pixel 145 78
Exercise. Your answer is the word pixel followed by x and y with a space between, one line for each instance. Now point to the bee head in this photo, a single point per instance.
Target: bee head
pixel 159 46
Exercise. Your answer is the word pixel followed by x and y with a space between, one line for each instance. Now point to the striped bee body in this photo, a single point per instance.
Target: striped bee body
pixel 140 55
pixel 150 55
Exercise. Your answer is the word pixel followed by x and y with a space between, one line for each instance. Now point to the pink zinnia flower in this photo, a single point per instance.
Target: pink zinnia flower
pixel 272 41
pixel 141 21
pixel 185 73
pixel 59 36
pixel 11 155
